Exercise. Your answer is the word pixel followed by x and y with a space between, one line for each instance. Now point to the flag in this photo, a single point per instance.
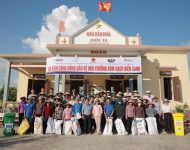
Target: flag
pixel 105 6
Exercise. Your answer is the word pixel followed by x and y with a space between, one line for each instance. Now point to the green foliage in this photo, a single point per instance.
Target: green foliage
pixel 12 93
pixel 183 108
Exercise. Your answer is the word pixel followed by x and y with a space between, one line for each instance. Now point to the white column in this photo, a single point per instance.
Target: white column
pixel 139 84
pixel 7 81
pixel 56 83
pixel 63 83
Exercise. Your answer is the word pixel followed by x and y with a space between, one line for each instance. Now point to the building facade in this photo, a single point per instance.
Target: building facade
pixel 164 69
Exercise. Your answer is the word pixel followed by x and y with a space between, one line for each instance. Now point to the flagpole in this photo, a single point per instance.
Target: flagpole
pixel 98 10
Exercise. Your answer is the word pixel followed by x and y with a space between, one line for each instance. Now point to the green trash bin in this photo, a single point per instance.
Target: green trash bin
pixel 8 128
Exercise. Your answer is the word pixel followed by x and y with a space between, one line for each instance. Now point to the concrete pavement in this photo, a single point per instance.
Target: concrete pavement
pixel 95 142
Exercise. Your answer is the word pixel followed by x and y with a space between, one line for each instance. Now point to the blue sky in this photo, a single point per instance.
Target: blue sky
pixel 159 22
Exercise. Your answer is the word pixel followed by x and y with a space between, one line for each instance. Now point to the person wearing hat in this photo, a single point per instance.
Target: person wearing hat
pixel 67 112
pixel 67 98
pixel 60 94
pixel 21 108
pixel 151 120
pixel 119 107
pixel 29 113
pixel 32 94
pixel 48 112
pixel 58 115
pixel 127 92
pixel 39 108
pixel 97 114
pixel 129 114
pixel 51 97
pixel 76 109
pixel 150 111
pixel 148 96
pixel 168 119
pixel 108 108
pixel 86 114
pixel 108 93
pixel 158 112
pixel 139 110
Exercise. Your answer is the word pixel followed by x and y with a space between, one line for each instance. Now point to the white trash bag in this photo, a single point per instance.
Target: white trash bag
pixel 38 128
pixel 67 127
pixel 120 127
pixel 58 126
pixel 134 130
pixel 76 127
pixel 141 126
pixel 152 126
pixel 50 126
pixel 108 127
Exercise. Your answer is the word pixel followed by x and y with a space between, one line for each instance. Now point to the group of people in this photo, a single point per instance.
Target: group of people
pixel 93 111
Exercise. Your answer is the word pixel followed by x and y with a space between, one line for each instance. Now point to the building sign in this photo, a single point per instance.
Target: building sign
pixel 93 65
pixel 99 52
pixel 165 73
pixel 99 33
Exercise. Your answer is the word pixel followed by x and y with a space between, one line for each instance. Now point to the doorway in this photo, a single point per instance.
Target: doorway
pixel 116 84
pixel 77 85
pixel 36 85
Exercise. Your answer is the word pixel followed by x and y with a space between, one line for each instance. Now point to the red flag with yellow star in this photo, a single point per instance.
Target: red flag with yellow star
pixel 105 6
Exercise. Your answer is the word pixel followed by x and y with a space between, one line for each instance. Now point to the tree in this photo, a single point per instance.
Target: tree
pixel 12 93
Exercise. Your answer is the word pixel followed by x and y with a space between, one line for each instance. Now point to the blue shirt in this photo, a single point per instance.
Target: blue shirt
pixel 77 108
pixel 29 108
pixel 108 109
pixel 87 109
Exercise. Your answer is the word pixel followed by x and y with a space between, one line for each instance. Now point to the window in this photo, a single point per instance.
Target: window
pixel 167 88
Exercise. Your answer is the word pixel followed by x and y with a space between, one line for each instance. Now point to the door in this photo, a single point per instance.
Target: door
pixel 36 85
pixel 77 85
pixel 116 84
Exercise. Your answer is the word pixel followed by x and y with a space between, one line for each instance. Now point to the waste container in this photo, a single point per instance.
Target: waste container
pixel 8 128
pixel 179 124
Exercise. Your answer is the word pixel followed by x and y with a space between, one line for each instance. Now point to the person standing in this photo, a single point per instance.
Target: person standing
pixel 48 112
pixel 97 113
pixel 86 114
pixel 108 109
pixel 139 110
pixel 29 113
pixel 77 108
pixel 103 120
pixel 168 119
pixel 21 109
pixel 129 115
pixel 67 112
pixel 151 120
pixel 39 107
pixel 158 113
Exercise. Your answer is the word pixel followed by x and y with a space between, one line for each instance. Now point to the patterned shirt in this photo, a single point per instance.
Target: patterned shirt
pixel 58 113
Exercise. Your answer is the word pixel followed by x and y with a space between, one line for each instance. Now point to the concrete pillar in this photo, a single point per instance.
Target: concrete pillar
pixel 56 83
pixel 131 83
pixel 7 81
pixel 139 84
pixel 63 83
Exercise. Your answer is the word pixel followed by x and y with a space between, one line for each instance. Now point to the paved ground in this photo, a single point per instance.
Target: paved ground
pixel 95 142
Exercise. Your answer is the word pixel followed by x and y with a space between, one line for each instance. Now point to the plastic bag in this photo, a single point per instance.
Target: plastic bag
pixel 58 126
pixel 67 127
pixel 50 126
pixel 38 128
pixel 108 127
pixel 120 127
pixel 140 123
pixel 152 126
pixel 76 127
pixel 134 128
pixel 25 125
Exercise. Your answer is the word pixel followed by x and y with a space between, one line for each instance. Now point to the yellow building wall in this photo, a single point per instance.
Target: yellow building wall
pixel 22 86
pixel 151 77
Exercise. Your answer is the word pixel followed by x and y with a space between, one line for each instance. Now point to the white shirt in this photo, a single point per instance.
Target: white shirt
pixel 166 108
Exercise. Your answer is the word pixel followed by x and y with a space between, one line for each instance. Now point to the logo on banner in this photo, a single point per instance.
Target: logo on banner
pixel 111 60
pixel 93 59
